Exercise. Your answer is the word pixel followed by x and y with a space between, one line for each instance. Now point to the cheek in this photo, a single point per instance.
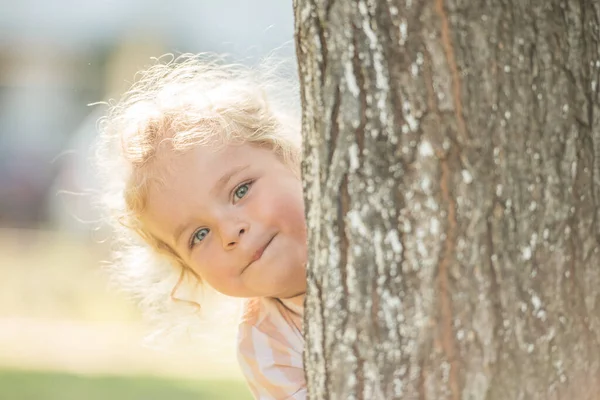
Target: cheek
pixel 290 211
pixel 213 271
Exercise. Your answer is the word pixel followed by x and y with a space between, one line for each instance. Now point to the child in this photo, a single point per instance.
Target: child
pixel 204 167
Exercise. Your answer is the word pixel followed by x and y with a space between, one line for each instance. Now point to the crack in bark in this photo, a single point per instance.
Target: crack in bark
pixel 343 208
pixel 456 83
pixel 592 98
pixel 360 376
pixel 318 24
pixel 334 133
pixel 361 82
pixel 575 246
pixel 428 78
pixel 326 349
pixel 422 380
pixel 495 295
pixel 445 300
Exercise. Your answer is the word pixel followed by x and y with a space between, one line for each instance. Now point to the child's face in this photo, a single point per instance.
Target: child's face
pixel 219 209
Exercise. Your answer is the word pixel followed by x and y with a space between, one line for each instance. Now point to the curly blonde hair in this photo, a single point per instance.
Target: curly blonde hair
pixel 175 104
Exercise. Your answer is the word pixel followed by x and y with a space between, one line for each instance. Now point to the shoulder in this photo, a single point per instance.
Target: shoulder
pixel 253 310
pixel 269 354
pixel 265 328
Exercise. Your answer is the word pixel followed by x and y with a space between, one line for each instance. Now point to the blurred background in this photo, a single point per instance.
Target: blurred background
pixel 64 333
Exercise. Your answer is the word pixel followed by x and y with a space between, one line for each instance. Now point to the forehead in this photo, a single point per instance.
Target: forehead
pixel 182 182
pixel 196 170
pixel 208 162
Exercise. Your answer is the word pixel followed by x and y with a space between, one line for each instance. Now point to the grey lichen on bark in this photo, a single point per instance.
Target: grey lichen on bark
pixel 452 196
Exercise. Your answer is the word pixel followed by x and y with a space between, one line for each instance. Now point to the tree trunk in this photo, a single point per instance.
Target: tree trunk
pixel 452 187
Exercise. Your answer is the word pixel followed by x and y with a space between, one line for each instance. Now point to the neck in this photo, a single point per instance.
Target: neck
pixel 296 300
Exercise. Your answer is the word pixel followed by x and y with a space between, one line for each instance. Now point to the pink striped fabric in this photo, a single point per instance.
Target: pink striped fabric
pixel 270 345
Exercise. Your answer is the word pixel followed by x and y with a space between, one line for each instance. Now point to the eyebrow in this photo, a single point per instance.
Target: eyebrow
pixel 219 185
pixel 224 180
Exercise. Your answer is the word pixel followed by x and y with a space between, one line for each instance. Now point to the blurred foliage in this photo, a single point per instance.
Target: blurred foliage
pixel 57 313
pixel 51 274
pixel 37 385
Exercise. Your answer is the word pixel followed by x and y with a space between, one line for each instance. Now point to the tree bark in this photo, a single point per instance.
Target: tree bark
pixel 452 187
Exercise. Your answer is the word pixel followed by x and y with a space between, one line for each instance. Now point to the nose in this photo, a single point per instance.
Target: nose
pixel 232 231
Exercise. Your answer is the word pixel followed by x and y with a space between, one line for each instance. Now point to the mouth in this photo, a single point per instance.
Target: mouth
pixel 258 254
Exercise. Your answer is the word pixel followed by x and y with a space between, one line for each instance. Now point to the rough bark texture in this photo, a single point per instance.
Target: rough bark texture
pixel 452 182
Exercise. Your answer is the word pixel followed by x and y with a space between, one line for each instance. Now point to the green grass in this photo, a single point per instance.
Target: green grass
pixel 38 385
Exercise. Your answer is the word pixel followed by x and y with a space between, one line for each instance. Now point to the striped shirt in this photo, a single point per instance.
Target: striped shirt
pixel 270 346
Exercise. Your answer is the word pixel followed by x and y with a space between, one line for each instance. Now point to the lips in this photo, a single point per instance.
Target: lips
pixel 258 254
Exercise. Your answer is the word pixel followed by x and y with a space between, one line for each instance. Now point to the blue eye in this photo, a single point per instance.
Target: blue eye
pixel 241 191
pixel 198 236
